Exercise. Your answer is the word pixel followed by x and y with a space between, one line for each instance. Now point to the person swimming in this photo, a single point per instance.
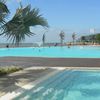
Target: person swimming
pixel 68 46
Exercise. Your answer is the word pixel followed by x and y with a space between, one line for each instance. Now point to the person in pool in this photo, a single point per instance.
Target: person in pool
pixel 69 45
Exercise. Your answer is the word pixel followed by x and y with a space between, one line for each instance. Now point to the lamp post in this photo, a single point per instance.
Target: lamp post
pixel 92 31
pixel 43 39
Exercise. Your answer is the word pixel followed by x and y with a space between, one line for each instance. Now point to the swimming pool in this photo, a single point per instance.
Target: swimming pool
pixel 53 52
pixel 66 85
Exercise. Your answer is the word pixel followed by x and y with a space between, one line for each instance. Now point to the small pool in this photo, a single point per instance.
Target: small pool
pixel 53 52
pixel 66 85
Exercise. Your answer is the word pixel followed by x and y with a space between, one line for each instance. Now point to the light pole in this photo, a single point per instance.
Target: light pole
pixel 43 39
pixel 92 31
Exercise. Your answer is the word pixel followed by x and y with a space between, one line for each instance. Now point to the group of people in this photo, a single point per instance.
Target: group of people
pixel 56 44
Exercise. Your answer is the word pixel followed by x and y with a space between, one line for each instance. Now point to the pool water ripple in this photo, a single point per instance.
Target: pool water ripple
pixel 54 52
pixel 66 85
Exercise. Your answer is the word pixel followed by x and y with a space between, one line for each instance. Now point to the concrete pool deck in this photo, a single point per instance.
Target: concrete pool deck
pixel 18 82
pixel 56 62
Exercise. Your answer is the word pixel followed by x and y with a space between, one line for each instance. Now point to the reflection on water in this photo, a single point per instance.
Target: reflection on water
pixel 66 85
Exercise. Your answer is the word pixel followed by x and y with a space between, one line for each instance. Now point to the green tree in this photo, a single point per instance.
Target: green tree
pixel 19 26
pixel 83 39
pixel 98 38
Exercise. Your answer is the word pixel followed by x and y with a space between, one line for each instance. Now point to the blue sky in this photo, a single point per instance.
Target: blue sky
pixel 68 15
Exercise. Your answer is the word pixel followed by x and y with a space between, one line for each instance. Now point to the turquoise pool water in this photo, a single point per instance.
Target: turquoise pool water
pixel 66 85
pixel 57 52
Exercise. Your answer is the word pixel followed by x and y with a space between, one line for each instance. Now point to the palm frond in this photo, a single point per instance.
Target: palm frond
pixel 19 26
pixel 3 11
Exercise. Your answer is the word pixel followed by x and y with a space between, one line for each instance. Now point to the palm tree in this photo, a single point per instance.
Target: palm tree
pixel 97 38
pixel 62 37
pixel 74 37
pixel 3 11
pixel 19 26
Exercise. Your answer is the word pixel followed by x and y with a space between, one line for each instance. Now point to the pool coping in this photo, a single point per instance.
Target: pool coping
pixel 56 62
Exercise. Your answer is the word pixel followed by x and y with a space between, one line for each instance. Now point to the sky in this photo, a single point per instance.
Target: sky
pixel 78 16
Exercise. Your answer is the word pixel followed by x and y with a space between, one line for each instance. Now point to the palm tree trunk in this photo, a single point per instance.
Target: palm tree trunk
pixel 73 41
pixel 61 42
pixel 17 42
